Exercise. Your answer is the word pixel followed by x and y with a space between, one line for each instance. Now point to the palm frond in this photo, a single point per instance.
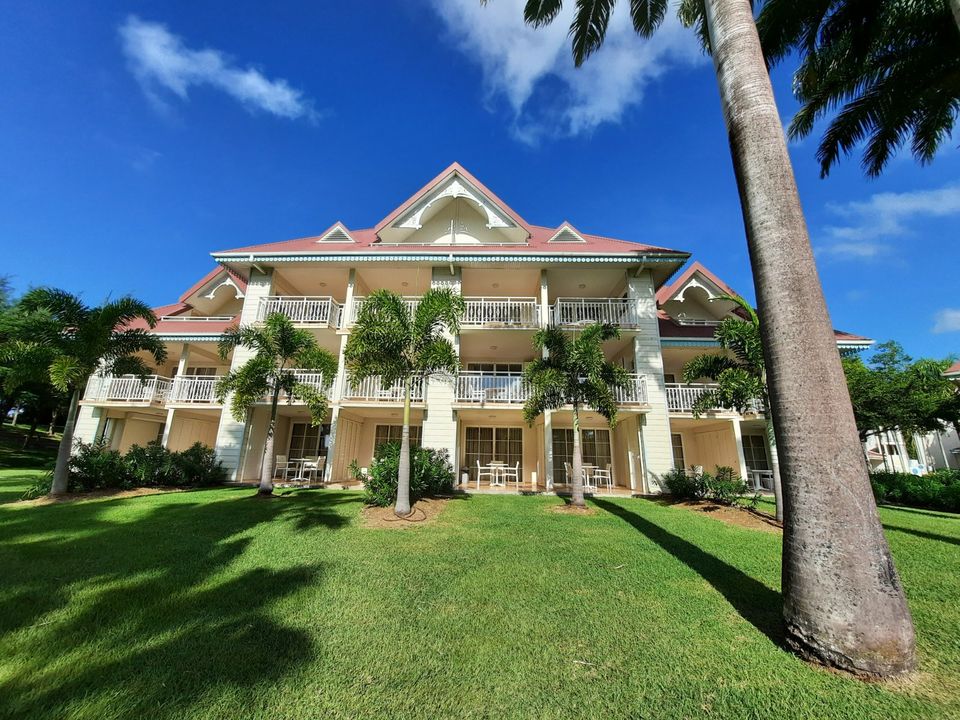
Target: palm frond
pixel 589 27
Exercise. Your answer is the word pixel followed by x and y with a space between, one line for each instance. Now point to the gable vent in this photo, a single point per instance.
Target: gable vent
pixel 337 235
pixel 566 236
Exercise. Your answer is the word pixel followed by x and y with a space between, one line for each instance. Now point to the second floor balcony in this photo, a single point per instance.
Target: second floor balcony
pixel 192 390
pixel 501 312
pixel 127 389
pixel 302 310
pixel 509 388
pixel 681 397
pixel 573 312
pixel 374 390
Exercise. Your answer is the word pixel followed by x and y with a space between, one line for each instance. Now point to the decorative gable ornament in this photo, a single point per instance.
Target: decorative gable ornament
pixel 455 189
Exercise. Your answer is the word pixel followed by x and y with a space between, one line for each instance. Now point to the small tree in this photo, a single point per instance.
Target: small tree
pixel 279 350
pixel 741 377
pixel 575 372
pixel 399 346
pixel 76 340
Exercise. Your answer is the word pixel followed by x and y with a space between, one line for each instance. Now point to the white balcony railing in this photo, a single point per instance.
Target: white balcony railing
pixel 634 392
pixel 192 389
pixel 127 389
pixel 411 304
pixel 324 311
pixel 680 397
pixel 476 386
pixel 496 312
pixel 584 311
pixel 372 389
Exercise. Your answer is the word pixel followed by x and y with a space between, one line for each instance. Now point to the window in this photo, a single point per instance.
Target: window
pixel 669 378
pixel 204 371
pixel 484 444
pixel 305 440
pixel 393 433
pixel 676 441
pixel 594 446
pixel 892 449
pixel 755 452
pixel 496 367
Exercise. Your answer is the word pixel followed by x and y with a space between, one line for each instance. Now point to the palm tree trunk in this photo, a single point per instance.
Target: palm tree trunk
pixel 266 466
pixel 61 473
pixel 955 6
pixel 843 602
pixel 403 471
pixel 577 490
pixel 774 464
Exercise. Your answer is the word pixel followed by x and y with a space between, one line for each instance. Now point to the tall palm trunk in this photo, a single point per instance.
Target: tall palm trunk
pixel 61 473
pixel 577 480
pixel 403 471
pixel 266 466
pixel 843 602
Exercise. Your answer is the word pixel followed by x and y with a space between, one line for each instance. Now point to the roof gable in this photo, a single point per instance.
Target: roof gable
pixel 566 234
pixel 337 233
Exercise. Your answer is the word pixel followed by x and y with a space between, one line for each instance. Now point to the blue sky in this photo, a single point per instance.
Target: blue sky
pixel 135 138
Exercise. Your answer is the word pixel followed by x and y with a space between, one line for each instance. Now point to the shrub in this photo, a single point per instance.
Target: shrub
pixel 41 486
pixel 725 486
pixel 430 474
pixel 939 490
pixel 683 486
pixel 95 466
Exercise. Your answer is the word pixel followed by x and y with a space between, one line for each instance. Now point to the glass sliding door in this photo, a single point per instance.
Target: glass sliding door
pixel 486 444
pixel 594 445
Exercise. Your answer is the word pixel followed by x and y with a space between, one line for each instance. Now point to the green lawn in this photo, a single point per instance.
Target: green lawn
pixel 209 604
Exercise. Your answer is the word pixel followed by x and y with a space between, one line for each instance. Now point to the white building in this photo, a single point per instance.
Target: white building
pixel 515 277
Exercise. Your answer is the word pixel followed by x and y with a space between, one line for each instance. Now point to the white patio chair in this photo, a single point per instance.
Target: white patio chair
pixel 313 469
pixel 589 480
pixel 603 477
pixel 485 471
pixel 282 467
pixel 508 473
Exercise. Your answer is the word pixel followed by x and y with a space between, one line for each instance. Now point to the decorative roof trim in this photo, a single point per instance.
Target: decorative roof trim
pixel 340 230
pixel 449 257
pixel 188 337
pixel 566 227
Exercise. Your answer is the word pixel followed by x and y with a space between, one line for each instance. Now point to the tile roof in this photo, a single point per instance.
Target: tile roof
pixel 953 369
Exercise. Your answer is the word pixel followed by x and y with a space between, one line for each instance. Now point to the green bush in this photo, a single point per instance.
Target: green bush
pixel 938 490
pixel 430 474
pixel 96 466
pixel 41 486
pixel 683 486
pixel 725 486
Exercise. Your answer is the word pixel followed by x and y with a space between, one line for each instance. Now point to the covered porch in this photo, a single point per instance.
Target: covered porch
pixel 703 444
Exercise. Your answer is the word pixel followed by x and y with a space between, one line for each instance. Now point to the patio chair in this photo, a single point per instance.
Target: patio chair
pixel 488 471
pixel 589 480
pixel 511 473
pixel 282 467
pixel 603 476
pixel 313 468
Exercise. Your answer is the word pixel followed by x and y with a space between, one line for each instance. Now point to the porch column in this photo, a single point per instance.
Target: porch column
pixel 548 448
pixel 544 299
pixel 439 428
pixel 331 445
pixel 644 477
pixel 738 439
pixel 231 435
pixel 181 369
pixel 648 361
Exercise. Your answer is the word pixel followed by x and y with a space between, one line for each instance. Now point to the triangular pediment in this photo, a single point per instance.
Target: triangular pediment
pixel 697 297
pixel 566 234
pixel 453 209
pixel 337 234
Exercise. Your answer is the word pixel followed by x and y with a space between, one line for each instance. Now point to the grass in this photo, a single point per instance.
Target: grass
pixel 208 604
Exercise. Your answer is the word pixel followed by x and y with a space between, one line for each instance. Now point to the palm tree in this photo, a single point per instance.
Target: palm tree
pixel 73 341
pixel 400 346
pixel 891 68
pixel 574 372
pixel 279 351
pixel 843 602
pixel 741 377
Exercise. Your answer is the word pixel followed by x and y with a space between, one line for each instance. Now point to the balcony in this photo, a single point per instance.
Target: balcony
pixel 127 389
pixel 373 390
pixel 192 390
pixel 353 311
pixel 634 392
pixel 477 386
pixel 501 312
pixel 304 310
pixel 575 312
pixel 680 397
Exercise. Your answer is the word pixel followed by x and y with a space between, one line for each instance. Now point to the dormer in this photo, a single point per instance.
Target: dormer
pixel 452 210
pixel 697 297
pixel 338 233
pixel 565 235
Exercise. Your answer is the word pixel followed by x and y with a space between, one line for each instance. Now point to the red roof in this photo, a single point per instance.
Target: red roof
pixel 953 369
pixel 237 278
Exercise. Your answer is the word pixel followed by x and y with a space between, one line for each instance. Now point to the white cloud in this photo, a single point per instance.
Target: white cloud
pixel 160 60
pixel 532 69
pixel 947 320
pixel 882 217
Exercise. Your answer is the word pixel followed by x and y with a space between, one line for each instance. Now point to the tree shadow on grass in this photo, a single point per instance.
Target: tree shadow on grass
pixel 938 514
pixel 755 602
pixel 143 614
pixel 922 534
